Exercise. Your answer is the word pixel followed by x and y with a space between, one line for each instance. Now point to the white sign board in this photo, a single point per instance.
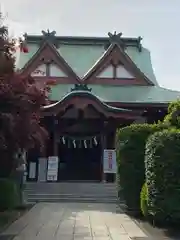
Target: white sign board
pixel 109 161
pixel 52 172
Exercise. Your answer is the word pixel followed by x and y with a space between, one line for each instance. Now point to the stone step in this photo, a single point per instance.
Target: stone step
pixel 62 190
pixel 74 199
pixel 71 192
pixel 69 195
pixel 71 185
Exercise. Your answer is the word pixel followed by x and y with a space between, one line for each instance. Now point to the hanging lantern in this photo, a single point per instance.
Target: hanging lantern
pixel 95 141
pixel 23 46
pixel 74 143
pixel 25 49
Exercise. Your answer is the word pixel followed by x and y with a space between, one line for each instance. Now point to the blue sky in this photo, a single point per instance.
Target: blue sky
pixel 157 21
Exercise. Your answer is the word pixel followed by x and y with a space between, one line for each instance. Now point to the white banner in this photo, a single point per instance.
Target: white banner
pixel 109 161
pixel 52 172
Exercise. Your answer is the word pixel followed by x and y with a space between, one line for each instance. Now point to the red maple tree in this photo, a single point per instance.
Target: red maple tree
pixel 20 108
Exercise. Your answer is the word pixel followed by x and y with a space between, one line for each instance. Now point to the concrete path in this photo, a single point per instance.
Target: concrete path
pixel 75 221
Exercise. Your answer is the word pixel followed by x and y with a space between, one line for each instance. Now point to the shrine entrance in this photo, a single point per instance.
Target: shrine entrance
pixel 80 160
pixel 80 149
pixel 81 127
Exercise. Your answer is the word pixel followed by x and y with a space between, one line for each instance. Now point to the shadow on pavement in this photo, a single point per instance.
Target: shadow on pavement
pixel 158 233
pixel 6 237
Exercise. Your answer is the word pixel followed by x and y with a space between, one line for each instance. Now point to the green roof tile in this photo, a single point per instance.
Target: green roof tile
pixel 82 57
pixel 143 62
pixel 126 94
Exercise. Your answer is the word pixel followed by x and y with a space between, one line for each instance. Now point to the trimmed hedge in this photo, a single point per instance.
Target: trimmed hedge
pixel 144 200
pixel 8 194
pixel 172 119
pixel 130 147
pixel 162 163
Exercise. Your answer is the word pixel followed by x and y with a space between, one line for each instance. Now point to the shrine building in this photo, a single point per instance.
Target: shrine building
pixel 98 84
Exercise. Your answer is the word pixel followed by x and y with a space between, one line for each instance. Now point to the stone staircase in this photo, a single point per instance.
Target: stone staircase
pixel 71 192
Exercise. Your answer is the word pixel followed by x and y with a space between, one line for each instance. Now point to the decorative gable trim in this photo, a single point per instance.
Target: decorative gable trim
pixel 40 71
pixel 47 54
pixel 115 72
pixel 116 56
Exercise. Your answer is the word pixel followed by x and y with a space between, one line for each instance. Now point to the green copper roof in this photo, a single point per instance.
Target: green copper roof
pixel 81 57
pixel 143 62
pixel 125 94
pixel 82 53
pixel 89 95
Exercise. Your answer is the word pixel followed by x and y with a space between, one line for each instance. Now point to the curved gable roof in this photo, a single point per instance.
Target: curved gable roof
pixel 83 96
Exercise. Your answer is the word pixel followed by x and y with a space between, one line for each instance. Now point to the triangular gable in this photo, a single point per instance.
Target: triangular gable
pixel 116 56
pixel 47 54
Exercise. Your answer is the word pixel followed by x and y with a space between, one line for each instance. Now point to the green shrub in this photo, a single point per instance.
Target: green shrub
pixel 8 194
pixel 172 119
pixel 162 163
pixel 144 200
pixel 130 147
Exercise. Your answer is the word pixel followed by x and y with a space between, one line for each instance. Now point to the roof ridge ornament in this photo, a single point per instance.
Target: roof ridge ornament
pixel 49 36
pixel 81 87
pixel 115 38
pixel 139 43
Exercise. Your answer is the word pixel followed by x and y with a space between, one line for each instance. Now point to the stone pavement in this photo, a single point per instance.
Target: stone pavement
pixel 75 221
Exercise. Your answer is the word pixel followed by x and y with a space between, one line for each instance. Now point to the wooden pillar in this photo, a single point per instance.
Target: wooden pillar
pixel 110 144
pixel 55 137
pixel 103 144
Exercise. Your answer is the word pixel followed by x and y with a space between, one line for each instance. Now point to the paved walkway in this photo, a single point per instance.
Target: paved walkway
pixel 75 221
